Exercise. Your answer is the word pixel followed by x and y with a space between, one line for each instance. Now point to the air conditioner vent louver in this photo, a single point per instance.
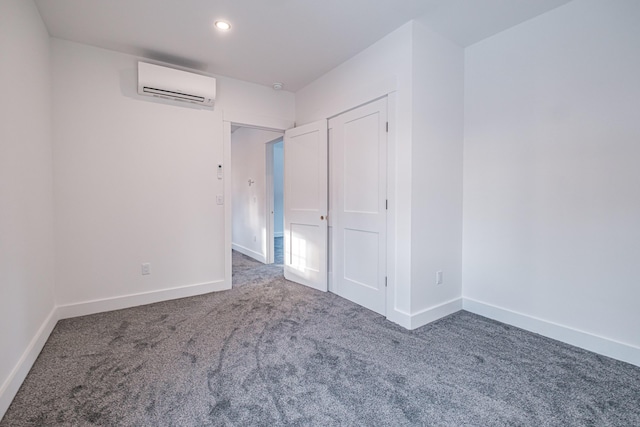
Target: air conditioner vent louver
pixel 154 80
pixel 173 94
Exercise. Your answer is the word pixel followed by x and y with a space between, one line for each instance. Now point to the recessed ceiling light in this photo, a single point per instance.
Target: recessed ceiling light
pixel 222 25
pixel 277 86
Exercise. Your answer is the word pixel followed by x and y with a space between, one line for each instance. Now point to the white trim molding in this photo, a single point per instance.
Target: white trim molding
pixel 250 253
pixel 432 314
pixel 85 308
pixel 246 118
pixel 16 377
pixel 597 344
pixel 12 384
pixel 426 316
pixel 400 317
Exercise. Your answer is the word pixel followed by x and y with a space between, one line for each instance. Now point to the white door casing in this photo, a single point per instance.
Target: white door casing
pixel 305 205
pixel 359 205
pixel 270 205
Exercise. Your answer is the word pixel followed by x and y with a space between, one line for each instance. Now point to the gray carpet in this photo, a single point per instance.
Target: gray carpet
pixel 270 352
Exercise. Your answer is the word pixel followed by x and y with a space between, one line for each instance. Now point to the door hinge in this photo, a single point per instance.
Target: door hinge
pixel 386 204
pixel 385 281
pixel 387 127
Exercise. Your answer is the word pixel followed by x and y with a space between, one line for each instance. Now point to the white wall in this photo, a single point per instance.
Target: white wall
pixel 382 68
pixel 425 74
pixel 248 162
pixel 135 181
pixel 278 189
pixel 26 193
pixel 436 181
pixel 551 194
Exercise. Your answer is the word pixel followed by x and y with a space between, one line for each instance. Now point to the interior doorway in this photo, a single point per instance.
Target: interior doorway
pixel 253 206
pixel 275 196
pixel 232 122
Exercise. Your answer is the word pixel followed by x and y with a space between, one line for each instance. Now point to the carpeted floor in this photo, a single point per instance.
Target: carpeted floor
pixel 270 352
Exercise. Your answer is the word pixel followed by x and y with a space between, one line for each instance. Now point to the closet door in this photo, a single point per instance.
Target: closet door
pixel 359 205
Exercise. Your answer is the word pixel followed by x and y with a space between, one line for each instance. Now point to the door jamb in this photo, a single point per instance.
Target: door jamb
pixel 270 198
pixel 269 206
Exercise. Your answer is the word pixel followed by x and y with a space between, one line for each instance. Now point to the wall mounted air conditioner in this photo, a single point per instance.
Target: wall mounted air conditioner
pixel 163 82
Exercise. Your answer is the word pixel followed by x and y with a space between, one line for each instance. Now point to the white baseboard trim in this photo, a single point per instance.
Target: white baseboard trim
pixel 426 316
pixel 279 234
pixel 400 317
pixel 605 346
pixel 250 253
pixel 12 384
pixel 16 377
pixel 126 301
pixel 432 314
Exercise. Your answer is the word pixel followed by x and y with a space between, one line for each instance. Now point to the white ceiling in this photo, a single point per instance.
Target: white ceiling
pixel 289 41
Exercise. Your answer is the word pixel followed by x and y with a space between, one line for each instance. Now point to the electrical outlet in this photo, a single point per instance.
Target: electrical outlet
pixel 439 278
pixel 146 269
pixel 220 199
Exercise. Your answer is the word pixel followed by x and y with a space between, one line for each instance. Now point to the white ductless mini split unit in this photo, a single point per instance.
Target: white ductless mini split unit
pixel 178 85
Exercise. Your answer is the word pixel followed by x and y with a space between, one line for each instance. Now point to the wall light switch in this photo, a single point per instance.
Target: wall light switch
pixel 439 278
pixel 220 199
pixel 146 268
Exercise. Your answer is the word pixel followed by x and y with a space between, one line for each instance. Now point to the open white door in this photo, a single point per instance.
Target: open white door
pixel 305 205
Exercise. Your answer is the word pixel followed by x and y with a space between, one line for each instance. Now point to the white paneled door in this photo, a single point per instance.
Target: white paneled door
pixel 306 205
pixel 359 204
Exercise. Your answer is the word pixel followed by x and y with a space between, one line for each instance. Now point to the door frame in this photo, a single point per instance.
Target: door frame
pixel 239 118
pixel 270 198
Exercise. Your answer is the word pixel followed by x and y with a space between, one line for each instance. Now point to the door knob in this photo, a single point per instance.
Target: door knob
pixel 321 217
